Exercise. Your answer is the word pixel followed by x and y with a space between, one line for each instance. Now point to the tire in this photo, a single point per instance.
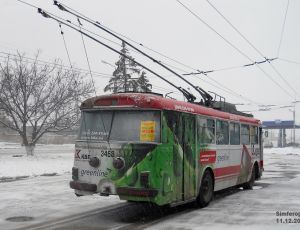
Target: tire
pixel 250 183
pixel 206 190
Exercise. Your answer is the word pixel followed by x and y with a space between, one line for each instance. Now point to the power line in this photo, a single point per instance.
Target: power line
pixel 66 8
pixel 63 7
pixel 130 39
pixel 289 61
pixel 227 68
pixel 227 90
pixel 233 46
pixel 116 42
pixel 146 47
pixel 31 60
pixel 87 57
pixel 65 45
pixel 283 27
pixel 161 88
pixel 188 95
pixel 247 40
pixel 28 4
pixel 241 66
pixel 254 63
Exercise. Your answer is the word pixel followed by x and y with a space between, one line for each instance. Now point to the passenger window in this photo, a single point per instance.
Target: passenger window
pixel 245 134
pixel 222 133
pixel 254 135
pixel 206 130
pixel 234 133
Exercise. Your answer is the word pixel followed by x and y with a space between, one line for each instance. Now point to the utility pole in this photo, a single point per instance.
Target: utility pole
pixel 294 130
pixel 294 121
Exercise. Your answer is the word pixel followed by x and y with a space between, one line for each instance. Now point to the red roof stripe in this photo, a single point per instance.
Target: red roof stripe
pixel 157 102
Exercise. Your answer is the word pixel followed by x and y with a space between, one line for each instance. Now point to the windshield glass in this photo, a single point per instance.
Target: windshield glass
pixel 129 126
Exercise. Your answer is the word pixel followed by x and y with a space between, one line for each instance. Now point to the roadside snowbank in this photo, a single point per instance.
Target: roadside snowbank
pixel 286 150
pixel 48 160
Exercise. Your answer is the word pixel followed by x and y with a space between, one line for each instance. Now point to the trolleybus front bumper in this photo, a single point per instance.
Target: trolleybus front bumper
pixel 83 186
pixel 122 191
pixel 139 192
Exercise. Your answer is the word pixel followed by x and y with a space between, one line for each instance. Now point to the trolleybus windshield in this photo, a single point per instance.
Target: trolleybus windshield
pixel 120 125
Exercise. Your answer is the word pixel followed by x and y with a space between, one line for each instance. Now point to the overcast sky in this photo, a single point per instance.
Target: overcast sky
pixel 167 27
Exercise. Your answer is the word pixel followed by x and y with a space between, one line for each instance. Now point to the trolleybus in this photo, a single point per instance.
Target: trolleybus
pixel 147 148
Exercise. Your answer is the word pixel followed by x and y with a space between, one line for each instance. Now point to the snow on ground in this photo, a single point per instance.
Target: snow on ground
pixel 48 159
pixel 278 190
pixel 46 198
pixel 44 193
pixel 287 151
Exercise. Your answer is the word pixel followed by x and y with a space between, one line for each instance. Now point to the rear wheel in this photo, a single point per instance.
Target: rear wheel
pixel 206 190
pixel 250 183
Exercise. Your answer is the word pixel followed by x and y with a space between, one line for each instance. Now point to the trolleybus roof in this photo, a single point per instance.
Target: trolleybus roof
pixel 155 101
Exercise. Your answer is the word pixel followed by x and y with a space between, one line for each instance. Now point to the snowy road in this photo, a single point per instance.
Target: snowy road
pixel 52 205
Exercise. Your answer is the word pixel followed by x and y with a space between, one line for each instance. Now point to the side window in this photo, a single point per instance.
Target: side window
pixel 222 133
pixel 174 122
pixel 234 133
pixel 254 135
pixel 245 134
pixel 206 130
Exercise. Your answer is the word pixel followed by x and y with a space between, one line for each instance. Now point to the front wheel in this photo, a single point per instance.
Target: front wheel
pixel 206 190
pixel 250 183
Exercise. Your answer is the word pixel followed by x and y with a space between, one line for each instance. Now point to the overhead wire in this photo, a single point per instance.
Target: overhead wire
pixel 65 45
pixel 250 43
pixel 235 67
pixel 39 62
pixel 130 39
pixel 87 57
pixel 206 97
pixel 283 27
pixel 289 61
pixel 66 8
pixel 26 3
pixel 227 90
pixel 233 46
pixel 221 69
pixel 102 75
pixel 112 40
pixel 65 22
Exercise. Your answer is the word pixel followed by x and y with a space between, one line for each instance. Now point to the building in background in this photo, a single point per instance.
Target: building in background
pixel 280 133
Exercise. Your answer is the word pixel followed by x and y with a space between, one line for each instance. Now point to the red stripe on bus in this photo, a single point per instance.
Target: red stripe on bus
pixel 228 177
pixel 227 170
pixel 208 156
pixel 262 164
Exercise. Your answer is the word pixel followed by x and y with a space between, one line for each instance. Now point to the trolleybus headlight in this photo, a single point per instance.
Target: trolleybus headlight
pixel 94 162
pixel 118 163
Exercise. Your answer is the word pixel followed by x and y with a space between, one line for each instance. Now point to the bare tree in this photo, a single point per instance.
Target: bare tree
pixel 39 98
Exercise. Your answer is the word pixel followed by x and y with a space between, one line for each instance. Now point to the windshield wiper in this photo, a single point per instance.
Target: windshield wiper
pixel 111 124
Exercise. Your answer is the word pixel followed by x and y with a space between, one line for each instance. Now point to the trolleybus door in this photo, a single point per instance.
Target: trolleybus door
pixel 189 161
pixel 260 142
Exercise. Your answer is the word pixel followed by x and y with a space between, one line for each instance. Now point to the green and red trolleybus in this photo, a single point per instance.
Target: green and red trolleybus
pixel 144 147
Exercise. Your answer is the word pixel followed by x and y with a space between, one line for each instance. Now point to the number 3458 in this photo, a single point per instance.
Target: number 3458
pixel 107 153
